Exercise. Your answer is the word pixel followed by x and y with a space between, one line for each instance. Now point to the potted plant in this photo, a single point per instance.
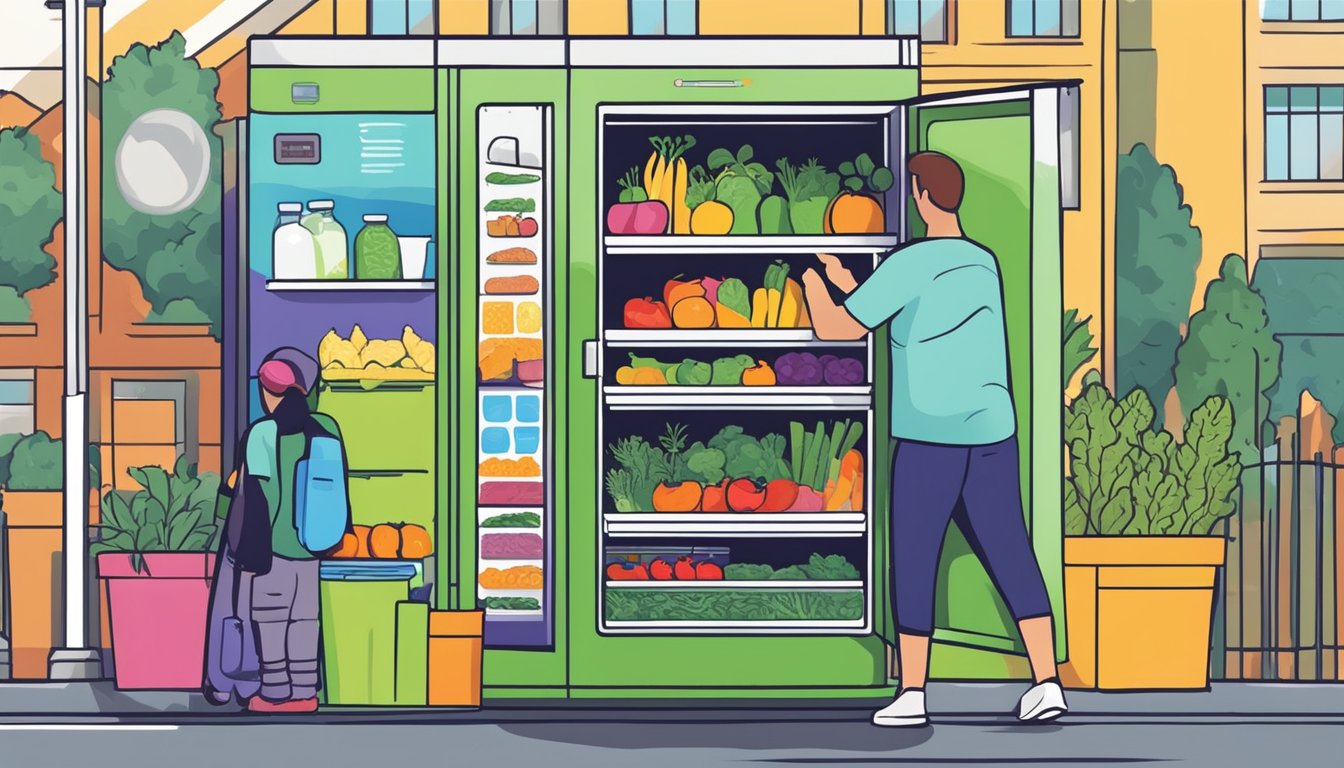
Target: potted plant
pixel 31 478
pixel 1140 555
pixel 156 558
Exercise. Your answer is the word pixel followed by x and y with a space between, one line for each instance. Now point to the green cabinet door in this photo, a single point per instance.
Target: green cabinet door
pixel 390 427
pixel 392 497
pixel 1007 144
pixel 726 665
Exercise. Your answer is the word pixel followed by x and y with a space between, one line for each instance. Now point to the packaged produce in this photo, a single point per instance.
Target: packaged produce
pixel 524 467
pixel 377 250
pixel 513 520
pixel 512 604
pixel 329 239
pixel 497 357
pixel 529 317
pixel 517 577
pixel 497 318
pixel 520 285
pixel 512 546
pixel 504 179
pixel 509 225
pixel 293 250
pixel 856 210
pixel 512 256
pixel 732 605
pixel 511 493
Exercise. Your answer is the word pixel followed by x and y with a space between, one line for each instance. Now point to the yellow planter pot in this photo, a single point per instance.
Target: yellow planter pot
pixel 1139 610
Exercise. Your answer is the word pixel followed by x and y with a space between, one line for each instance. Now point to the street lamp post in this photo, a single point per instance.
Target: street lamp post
pixel 74 660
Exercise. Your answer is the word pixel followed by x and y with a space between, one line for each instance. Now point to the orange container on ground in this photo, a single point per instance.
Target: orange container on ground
pixel 34 539
pixel 455 658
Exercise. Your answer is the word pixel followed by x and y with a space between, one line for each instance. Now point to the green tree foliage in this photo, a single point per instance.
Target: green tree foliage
pixel 36 463
pixel 176 257
pixel 1126 478
pixel 1078 346
pixel 1228 347
pixel 30 207
pixel 1156 254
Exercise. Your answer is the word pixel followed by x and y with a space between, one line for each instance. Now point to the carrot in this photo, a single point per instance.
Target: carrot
pixel 847 484
pixel 851 463
pixel 856 500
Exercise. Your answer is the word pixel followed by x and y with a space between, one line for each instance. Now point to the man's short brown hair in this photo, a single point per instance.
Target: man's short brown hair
pixel 941 177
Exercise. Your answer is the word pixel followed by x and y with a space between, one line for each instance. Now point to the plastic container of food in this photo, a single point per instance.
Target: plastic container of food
pixel 377 250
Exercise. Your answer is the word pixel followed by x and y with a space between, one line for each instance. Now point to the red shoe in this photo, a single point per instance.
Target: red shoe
pixel 297 706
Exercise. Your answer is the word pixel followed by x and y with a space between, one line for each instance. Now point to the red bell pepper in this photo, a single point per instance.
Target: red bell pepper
pixel 646 313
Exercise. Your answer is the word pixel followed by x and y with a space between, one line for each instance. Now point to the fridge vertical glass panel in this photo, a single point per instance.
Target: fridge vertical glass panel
pixel 1008 147
pixel 515 551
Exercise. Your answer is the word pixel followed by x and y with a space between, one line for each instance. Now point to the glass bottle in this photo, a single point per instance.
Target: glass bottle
pixel 377 252
pixel 333 260
pixel 293 251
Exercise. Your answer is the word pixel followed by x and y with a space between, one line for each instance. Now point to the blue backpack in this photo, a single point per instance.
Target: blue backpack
pixel 321 507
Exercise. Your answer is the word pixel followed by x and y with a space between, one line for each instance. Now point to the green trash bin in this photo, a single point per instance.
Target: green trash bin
pixel 359 630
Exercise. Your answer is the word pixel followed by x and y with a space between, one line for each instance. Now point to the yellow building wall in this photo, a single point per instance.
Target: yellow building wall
pixel 352 17
pixel 599 17
pixel 1283 213
pixel 1199 121
pixel 464 17
pixel 781 17
pixel 982 56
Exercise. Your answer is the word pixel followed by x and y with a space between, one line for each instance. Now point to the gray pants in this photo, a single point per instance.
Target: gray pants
pixel 285 605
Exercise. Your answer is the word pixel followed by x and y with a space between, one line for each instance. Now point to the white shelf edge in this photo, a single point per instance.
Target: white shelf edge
pixel 761 337
pixel 737 398
pixel 764 525
pixel 846 626
pixel 353 286
pixel 732 584
pixel 633 245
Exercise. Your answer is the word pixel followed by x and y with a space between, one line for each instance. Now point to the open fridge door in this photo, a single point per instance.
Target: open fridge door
pixel 1017 148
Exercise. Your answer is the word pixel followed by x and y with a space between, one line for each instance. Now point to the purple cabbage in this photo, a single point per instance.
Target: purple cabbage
pixel 798 369
pixel 843 372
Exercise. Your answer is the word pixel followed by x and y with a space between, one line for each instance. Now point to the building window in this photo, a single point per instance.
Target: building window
pixel 148 428
pixel 527 17
pixel 1043 18
pixel 1302 10
pixel 1304 133
pixel 16 401
pixel 401 17
pixel 663 17
pixel 925 19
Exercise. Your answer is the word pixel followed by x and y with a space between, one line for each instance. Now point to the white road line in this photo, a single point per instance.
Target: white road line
pixel 75 727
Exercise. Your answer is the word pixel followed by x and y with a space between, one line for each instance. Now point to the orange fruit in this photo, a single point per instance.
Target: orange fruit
pixel 416 543
pixel 349 546
pixel 362 540
pixel 385 542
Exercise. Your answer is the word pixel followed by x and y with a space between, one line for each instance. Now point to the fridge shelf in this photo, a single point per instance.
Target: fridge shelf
pixel 758 337
pixel 810 627
pixel 745 525
pixel 746 245
pixel 354 286
pixel 730 584
pixel 655 398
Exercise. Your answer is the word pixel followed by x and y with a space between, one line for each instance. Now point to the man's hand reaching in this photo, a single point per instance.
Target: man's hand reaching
pixel 839 276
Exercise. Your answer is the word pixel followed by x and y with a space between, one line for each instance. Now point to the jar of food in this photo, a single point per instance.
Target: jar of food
pixel 377 253
pixel 293 251
pixel 333 260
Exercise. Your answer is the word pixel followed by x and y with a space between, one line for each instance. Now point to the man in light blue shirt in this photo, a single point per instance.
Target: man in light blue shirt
pixel 952 413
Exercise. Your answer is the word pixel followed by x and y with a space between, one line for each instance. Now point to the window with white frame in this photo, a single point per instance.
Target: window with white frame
pixel 663 17
pixel 16 401
pixel 1304 133
pixel 1302 10
pixel 401 17
pixel 1043 18
pixel 527 17
pixel 925 19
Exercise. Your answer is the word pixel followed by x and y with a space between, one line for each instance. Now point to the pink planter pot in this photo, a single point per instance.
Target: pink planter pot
pixel 158 618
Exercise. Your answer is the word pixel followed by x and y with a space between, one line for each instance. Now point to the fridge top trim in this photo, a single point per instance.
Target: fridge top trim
pixel 615 52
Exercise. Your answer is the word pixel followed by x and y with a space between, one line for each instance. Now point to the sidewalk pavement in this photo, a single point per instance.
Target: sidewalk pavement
pixel 1224 701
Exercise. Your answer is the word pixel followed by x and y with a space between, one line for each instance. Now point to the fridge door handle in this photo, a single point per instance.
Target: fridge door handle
pixel 591 359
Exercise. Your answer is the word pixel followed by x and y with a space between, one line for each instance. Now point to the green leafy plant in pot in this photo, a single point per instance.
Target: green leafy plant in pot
pixel 170 513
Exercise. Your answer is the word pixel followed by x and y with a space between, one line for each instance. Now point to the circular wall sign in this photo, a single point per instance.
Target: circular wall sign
pixel 163 162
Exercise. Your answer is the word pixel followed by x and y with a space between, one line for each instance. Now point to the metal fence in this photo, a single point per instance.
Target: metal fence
pixel 1278 613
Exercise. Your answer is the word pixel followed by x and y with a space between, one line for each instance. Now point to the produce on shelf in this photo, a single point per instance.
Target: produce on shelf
pixel 709 302
pixel 512 604
pixel 760 375
pixel 517 577
pixel 524 467
pixel 512 256
pixel 745 495
pixel 634 213
pixel 740 184
pixel 727 371
pixel 496 318
pixel 388 541
pixel 518 205
pixel 647 370
pixel 805 369
pixel 513 520
pixel 778 303
pixel 661 570
pixel 666 178
pixel 519 285
pixel 409 358
pixel 732 307
pixel 511 226
pixel 511 178
pixel 810 190
pixel 642 468
pixel 679 492
pixel 732 605
pixel 646 313
pixel 708 215
pixel 496 358
pixel 795 369
pixel 511 546
pixel 817 568
pixel 510 493
pixel 627 572
pixel 529 317
pixel 856 210
pixel 829 464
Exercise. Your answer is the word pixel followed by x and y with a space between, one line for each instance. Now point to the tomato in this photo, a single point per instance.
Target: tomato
pixel 646 313
pixel 708 571
pixel 685 570
pixel 660 570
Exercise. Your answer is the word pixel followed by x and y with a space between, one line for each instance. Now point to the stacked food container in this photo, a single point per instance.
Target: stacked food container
pixel 513 458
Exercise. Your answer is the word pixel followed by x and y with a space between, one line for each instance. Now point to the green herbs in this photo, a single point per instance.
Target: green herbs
pixel 511 178
pixel 1127 479
pixel 643 467
pixel 817 568
pixel 513 520
pixel 511 205
pixel 817 455
pixel 732 605
pixel 863 175
pixel 512 603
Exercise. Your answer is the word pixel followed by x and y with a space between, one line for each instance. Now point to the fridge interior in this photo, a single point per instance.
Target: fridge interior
pixel 694 557
pixel 515 551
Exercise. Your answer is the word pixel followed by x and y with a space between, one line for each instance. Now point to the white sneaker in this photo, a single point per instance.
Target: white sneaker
pixel 1043 701
pixel 906 711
